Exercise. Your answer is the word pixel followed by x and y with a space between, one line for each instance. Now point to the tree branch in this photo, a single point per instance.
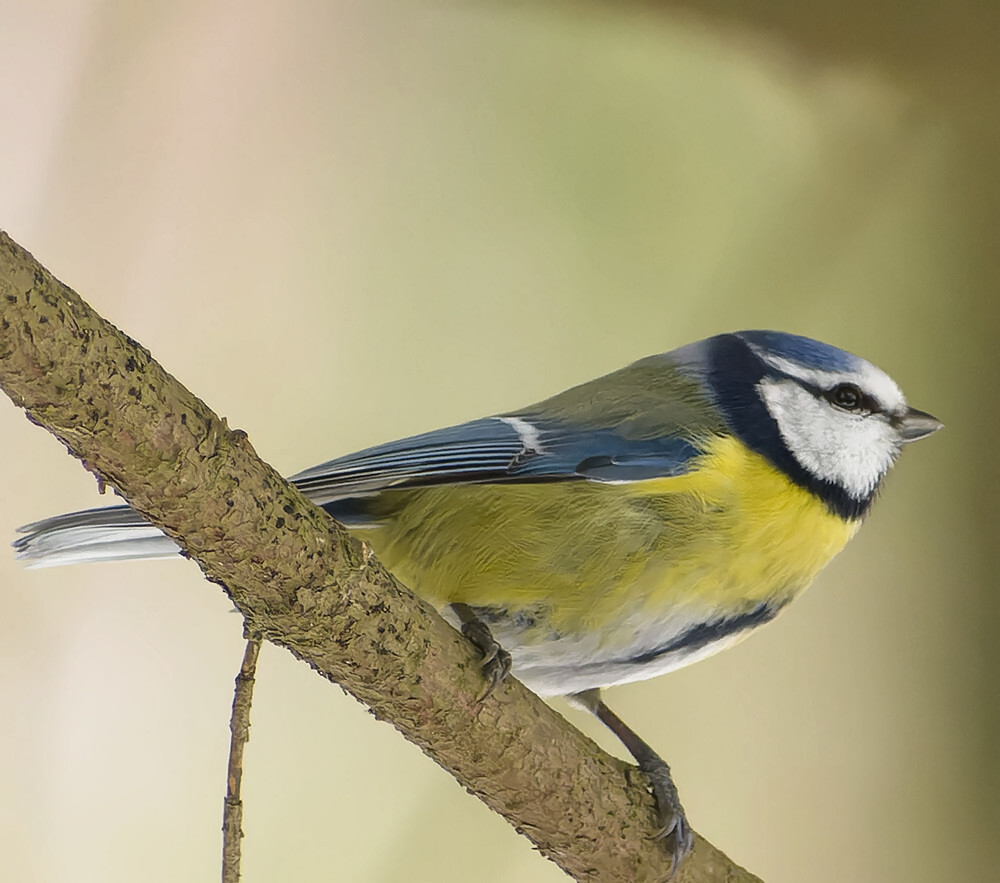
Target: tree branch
pixel 303 583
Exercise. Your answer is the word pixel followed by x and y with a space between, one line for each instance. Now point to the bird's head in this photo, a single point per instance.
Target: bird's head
pixel 832 421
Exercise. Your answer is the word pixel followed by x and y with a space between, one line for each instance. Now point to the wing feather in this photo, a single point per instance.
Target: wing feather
pixel 497 449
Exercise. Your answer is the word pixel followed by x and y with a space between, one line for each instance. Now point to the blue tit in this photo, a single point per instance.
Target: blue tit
pixel 618 530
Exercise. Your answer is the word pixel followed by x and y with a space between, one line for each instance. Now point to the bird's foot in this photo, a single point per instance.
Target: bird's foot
pixel 496 661
pixel 674 827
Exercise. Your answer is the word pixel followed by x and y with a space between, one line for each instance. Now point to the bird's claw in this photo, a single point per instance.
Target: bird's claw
pixel 496 662
pixel 496 667
pixel 673 822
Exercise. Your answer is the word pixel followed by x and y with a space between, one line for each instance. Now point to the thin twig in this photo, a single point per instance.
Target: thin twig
pixel 239 727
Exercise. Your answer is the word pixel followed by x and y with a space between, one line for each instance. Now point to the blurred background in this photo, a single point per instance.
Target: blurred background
pixel 345 222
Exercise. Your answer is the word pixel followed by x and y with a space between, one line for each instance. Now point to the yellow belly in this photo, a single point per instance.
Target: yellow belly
pixel 573 558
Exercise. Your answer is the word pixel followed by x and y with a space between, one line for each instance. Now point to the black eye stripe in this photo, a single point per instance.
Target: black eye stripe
pixel 847 397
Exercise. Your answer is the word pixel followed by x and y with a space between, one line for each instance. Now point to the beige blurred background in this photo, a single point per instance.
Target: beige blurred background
pixel 344 222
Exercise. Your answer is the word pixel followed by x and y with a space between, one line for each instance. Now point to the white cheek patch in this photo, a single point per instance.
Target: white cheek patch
pixel 853 451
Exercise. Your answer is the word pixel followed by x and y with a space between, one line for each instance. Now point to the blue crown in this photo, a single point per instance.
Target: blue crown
pixel 804 350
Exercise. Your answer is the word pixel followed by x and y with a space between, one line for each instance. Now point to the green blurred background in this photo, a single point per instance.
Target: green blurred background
pixel 341 223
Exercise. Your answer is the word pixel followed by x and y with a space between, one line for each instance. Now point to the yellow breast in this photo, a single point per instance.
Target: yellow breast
pixel 574 557
pixel 750 533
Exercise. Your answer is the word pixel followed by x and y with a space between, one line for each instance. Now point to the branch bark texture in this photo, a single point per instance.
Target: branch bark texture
pixel 303 583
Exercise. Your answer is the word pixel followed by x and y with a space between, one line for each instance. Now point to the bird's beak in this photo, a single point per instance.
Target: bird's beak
pixel 916 424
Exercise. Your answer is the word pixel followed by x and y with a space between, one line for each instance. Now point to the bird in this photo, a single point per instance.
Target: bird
pixel 619 530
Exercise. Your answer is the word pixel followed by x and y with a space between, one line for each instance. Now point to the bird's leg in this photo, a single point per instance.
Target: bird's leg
pixel 674 823
pixel 496 660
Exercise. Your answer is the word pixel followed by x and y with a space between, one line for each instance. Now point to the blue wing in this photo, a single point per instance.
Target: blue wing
pixel 498 449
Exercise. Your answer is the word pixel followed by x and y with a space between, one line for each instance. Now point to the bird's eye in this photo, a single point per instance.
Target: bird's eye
pixel 847 396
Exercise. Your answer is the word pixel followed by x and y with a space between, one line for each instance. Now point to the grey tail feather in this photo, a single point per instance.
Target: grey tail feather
pixel 114 533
